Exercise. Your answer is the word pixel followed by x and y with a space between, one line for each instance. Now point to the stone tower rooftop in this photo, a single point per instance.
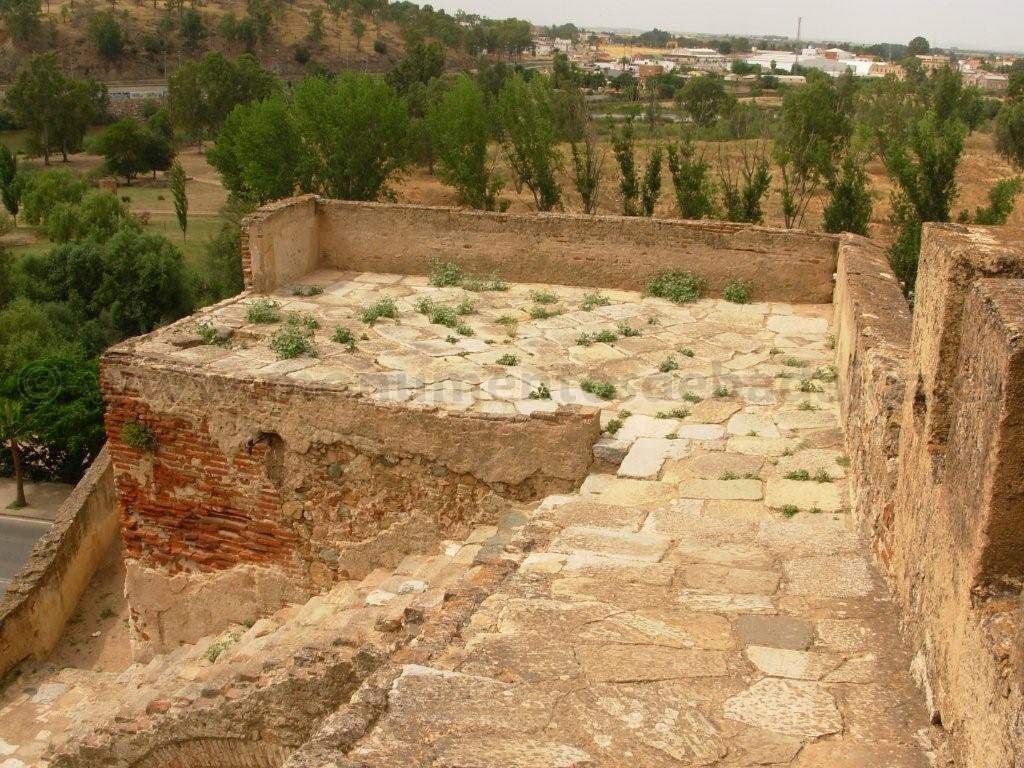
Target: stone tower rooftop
pixel 540 518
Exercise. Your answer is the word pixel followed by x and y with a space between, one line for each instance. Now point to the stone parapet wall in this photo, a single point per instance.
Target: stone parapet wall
pixel 288 239
pixel 43 595
pixel 280 243
pixel 934 418
pixel 871 324
pixel 261 492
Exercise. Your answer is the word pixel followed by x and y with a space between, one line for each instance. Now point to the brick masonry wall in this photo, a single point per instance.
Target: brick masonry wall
pixel 310 480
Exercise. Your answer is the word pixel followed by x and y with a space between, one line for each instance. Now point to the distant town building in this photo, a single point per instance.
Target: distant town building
pixel 932 62
pixel 699 58
pixel 988 81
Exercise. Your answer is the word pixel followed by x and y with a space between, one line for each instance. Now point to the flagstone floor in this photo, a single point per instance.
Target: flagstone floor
pixel 705 599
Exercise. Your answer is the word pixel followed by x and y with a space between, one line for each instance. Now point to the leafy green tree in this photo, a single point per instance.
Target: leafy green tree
pixel 28 332
pixel 66 422
pixel 1009 133
pixel 919 46
pixel 315 34
pixel 130 148
pixel 422 63
pixel 945 93
pixel 705 99
pixel 650 189
pixel 849 206
pixel 923 164
pixel 260 15
pixel 201 94
pixel 691 180
pixel 10 189
pixel 623 147
pixel 358 30
pixel 814 130
pixel 744 189
pixel 220 264
pixel 587 161
pixel 107 35
pixel 178 180
pixel 82 103
pixel 21 17
pixel 43 191
pixel 192 29
pixel 98 215
pixel 1001 199
pixel 15 432
pixel 69 274
pixel 259 151
pixel 527 117
pixel 355 132
pixel 459 133
pixel 56 110
pixel 144 282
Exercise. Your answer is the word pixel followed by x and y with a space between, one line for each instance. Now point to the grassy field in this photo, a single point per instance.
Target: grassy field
pixel 151 198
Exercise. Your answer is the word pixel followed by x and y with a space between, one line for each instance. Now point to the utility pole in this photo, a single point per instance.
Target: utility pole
pixel 799 25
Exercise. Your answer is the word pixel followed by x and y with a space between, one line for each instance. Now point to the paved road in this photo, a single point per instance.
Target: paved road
pixel 16 539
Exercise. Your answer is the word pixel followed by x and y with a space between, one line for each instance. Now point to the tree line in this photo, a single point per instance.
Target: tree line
pixel 353 135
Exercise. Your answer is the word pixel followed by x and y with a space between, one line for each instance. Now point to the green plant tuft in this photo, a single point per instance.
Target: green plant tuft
pixel 138 436
pixel 445 274
pixel 289 342
pixel 263 311
pixel 344 336
pixel 541 393
pixel 679 287
pixel 739 291
pixel 592 300
pixel 385 307
pixel 602 389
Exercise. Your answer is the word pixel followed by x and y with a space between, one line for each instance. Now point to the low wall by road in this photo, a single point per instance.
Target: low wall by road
pixel 933 411
pixel 290 238
pixel 41 598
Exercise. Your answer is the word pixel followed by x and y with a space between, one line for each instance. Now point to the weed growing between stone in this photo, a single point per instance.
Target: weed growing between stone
pixel 263 311
pixel 290 341
pixel 385 307
pixel 739 291
pixel 678 287
pixel 602 389
pixel 138 436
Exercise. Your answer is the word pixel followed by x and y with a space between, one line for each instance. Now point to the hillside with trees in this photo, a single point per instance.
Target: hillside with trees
pixel 118 40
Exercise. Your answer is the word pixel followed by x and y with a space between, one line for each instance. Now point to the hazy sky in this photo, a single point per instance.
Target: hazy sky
pixel 990 24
